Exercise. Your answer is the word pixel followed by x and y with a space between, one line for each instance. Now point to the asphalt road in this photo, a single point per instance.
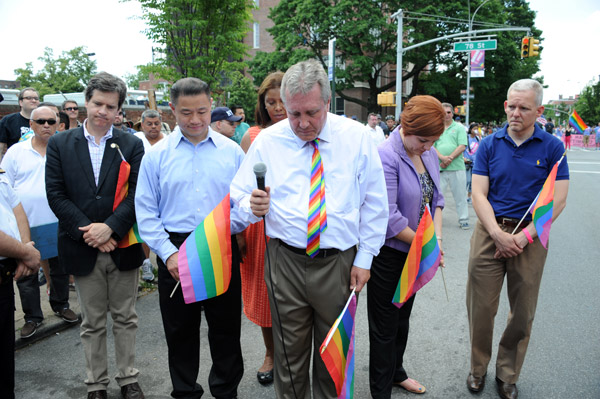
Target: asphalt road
pixel 563 359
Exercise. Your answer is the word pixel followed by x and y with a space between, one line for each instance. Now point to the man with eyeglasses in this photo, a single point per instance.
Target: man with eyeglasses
pixel 71 108
pixel 223 120
pixel 120 123
pixel 450 147
pixel 13 126
pixel 25 165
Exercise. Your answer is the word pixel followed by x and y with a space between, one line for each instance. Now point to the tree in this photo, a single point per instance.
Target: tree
pixel 201 38
pixel 242 92
pixel 69 73
pixel 133 80
pixel 588 105
pixel 366 44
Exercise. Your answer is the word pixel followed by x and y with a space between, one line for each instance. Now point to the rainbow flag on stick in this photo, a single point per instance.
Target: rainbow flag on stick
pixel 421 263
pixel 132 236
pixel 204 259
pixel 543 206
pixel 337 350
pixel 577 123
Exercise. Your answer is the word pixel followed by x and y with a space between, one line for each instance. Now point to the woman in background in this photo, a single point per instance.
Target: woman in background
pixel 269 110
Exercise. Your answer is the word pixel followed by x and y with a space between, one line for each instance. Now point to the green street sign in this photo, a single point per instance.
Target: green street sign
pixel 478 45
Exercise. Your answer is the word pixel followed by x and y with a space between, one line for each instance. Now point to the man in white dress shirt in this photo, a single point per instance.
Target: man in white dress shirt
pixel 311 291
pixel 374 130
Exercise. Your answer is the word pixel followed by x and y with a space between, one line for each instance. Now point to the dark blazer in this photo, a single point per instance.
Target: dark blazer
pixel 76 201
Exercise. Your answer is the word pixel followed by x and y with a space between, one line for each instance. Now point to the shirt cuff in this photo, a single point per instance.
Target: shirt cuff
pixel 167 250
pixel 363 260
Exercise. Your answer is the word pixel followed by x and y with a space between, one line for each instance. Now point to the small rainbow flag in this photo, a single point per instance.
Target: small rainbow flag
pixel 543 206
pixel 421 263
pixel 577 123
pixel 205 257
pixel 337 350
pixel 132 236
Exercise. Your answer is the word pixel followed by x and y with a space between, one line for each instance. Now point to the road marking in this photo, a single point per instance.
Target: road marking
pixel 583 163
pixel 584 171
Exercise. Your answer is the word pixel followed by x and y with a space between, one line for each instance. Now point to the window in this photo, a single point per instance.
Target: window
pixel 256 35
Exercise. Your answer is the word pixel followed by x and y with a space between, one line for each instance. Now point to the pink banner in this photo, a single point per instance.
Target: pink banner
pixel 477 63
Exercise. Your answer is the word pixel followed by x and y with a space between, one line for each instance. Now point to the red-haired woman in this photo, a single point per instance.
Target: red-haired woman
pixel 411 169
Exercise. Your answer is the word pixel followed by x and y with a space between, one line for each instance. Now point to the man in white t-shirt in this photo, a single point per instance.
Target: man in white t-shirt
pixel 25 164
pixel 151 134
pixel 375 132
pixel 151 128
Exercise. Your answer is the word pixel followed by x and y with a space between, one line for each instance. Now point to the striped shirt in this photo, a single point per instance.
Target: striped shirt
pixel 96 150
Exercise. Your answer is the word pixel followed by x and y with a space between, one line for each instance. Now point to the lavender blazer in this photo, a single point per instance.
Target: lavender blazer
pixel 404 189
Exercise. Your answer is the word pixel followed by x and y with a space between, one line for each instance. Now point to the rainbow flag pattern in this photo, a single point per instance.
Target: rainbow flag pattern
pixel 421 263
pixel 543 207
pixel 132 236
pixel 204 259
pixel 337 350
pixel 317 215
pixel 577 123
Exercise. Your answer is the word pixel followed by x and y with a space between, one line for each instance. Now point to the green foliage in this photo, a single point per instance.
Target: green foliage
pixel 366 43
pixel 201 38
pixel 242 92
pixel 133 80
pixel 588 105
pixel 68 73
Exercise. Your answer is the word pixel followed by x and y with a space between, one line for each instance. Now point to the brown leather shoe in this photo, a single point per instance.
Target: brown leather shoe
pixel 97 395
pixel 132 391
pixel 506 390
pixel 475 384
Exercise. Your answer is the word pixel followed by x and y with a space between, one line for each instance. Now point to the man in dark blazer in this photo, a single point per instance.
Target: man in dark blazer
pixel 82 168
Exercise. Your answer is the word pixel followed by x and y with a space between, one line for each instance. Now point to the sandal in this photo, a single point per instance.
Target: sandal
pixel 419 388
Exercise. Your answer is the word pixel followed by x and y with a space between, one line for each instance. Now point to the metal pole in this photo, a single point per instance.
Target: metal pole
pixel 333 80
pixel 467 113
pixel 398 15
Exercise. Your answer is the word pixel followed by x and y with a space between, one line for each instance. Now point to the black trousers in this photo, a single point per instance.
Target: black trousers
pixel 181 323
pixel 7 337
pixel 388 325
pixel 29 291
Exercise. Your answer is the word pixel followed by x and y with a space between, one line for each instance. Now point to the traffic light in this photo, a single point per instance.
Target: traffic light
pixel 386 99
pixel 534 47
pixel 525 47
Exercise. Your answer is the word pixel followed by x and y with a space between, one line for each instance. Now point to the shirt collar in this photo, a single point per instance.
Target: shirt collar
pixel 538 134
pixel 89 137
pixel 324 135
pixel 179 137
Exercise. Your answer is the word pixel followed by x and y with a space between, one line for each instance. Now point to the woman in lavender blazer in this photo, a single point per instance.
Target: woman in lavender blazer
pixel 411 168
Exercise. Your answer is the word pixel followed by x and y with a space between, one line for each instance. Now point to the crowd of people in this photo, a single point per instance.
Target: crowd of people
pixel 339 212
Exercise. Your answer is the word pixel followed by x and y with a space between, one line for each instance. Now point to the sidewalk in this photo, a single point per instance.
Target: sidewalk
pixel 53 324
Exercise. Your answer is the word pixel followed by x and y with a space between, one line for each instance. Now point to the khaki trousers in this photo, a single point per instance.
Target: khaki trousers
pixel 310 295
pixel 106 289
pixel 484 283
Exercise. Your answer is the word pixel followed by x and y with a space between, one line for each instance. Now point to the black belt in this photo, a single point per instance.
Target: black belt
pixel 508 222
pixel 7 270
pixel 323 252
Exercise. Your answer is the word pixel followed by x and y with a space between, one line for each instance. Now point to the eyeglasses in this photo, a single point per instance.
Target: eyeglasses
pixel 44 121
pixel 72 109
pixel 31 98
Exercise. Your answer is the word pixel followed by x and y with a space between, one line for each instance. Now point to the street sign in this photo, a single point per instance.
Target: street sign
pixel 464 96
pixel 478 45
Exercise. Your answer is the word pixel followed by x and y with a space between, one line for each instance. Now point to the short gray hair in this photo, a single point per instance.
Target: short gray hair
pixel 302 77
pixel 526 85
pixel 150 113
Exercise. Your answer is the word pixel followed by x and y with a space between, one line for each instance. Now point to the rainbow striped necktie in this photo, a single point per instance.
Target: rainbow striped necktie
pixel 317 216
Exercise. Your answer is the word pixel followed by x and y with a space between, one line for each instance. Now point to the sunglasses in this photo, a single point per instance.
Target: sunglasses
pixel 44 121
pixel 72 109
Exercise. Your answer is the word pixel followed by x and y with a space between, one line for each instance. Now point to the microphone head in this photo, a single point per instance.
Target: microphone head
pixel 260 169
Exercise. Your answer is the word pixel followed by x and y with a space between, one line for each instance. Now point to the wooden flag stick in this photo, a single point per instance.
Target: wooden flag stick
pixel 445 288
pixel 174 289
pixel 114 145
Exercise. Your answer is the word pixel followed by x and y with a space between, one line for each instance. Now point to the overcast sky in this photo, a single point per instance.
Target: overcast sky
pixel 109 29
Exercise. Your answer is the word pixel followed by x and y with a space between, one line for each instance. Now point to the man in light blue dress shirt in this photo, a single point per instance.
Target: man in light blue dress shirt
pixel 182 179
pixel 310 292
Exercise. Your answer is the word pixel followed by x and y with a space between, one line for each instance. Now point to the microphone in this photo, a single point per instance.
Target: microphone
pixel 260 170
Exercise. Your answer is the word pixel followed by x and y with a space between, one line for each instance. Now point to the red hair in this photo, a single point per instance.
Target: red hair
pixel 423 116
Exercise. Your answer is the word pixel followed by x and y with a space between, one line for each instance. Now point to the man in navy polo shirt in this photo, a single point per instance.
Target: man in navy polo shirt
pixel 509 171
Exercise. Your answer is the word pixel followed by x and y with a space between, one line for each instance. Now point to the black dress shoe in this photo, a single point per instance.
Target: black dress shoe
pixel 265 377
pixel 132 391
pixel 506 390
pixel 475 384
pixel 97 395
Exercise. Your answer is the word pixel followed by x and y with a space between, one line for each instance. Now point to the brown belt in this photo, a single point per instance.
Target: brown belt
pixel 323 253
pixel 508 222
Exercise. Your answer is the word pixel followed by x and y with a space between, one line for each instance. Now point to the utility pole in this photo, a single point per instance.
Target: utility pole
pixel 399 51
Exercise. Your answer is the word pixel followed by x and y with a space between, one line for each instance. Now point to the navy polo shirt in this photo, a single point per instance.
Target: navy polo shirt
pixel 517 173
